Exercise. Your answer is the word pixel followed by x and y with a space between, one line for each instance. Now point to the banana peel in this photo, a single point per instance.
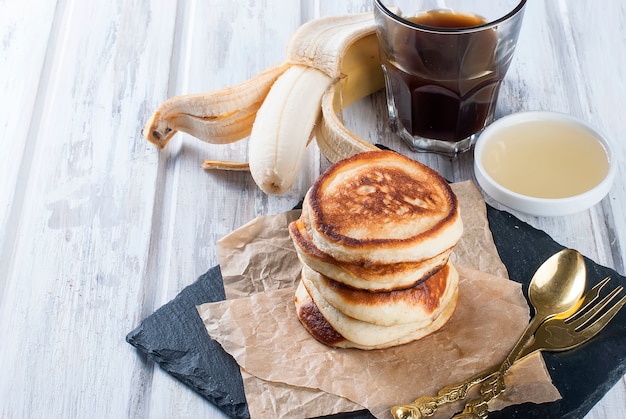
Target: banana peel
pixel 337 63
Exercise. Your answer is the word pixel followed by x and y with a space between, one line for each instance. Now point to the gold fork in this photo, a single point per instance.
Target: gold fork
pixel 559 333
pixel 575 330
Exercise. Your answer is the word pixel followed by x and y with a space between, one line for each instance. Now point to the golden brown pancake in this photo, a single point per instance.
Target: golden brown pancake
pixel 375 236
pixel 313 321
pixel 420 303
pixel 382 207
pixel 364 274
pixel 338 330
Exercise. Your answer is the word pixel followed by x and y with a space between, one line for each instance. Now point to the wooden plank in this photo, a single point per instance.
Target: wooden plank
pixel 83 231
pixel 601 48
pixel 20 75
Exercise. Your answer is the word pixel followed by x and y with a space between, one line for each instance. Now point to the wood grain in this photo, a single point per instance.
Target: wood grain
pixel 98 228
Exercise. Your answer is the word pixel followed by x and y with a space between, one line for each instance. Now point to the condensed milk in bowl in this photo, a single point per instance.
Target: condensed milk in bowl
pixel 544 163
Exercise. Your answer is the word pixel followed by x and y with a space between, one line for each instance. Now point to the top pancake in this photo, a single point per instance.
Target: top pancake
pixel 382 206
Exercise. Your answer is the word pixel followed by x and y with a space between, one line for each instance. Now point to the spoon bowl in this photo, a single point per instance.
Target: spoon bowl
pixel 558 284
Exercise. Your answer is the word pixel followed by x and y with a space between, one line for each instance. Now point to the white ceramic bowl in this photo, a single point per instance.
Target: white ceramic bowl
pixel 520 155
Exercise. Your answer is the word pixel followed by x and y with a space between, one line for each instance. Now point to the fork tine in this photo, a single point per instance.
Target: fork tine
pixel 589 298
pixel 584 318
pixel 599 324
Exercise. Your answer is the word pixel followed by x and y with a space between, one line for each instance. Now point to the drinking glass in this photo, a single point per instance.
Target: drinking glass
pixel 444 61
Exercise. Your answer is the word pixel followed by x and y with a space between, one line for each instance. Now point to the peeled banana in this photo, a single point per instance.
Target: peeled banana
pixel 277 144
pixel 332 62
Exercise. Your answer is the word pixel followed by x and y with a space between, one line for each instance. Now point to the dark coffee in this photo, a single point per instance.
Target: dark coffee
pixel 447 19
pixel 444 84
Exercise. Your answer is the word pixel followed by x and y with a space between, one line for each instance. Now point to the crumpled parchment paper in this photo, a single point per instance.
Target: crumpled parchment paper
pixel 288 373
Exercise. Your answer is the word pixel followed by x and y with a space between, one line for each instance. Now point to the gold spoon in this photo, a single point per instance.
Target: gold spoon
pixel 555 289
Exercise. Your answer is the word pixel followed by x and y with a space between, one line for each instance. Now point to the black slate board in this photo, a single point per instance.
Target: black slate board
pixel 175 338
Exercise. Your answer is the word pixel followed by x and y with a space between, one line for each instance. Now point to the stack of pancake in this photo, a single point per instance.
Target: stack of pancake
pixel 374 238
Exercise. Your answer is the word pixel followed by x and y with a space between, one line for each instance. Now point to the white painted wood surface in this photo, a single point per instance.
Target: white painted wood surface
pixel 98 228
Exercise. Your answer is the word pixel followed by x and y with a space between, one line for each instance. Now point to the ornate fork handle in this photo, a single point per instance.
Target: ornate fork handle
pixel 479 408
pixel 427 405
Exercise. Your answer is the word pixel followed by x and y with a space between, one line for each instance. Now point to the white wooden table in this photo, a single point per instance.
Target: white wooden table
pixel 98 228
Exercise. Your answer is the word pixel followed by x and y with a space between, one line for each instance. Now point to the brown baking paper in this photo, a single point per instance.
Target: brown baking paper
pixel 287 372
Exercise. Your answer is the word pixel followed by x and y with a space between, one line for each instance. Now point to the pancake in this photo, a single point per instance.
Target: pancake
pixel 381 207
pixel 364 274
pixel 313 321
pixel 367 336
pixel 419 304
pixel 375 237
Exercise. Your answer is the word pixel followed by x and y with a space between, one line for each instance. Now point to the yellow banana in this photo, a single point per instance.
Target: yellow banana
pixel 283 127
pixel 332 62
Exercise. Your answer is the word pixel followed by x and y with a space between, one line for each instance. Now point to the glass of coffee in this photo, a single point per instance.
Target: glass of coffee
pixel 444 61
